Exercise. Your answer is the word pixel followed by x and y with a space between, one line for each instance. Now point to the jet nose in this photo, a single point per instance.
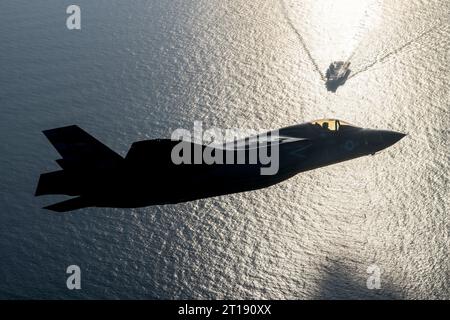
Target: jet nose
pixel 382 139
pixel 391 137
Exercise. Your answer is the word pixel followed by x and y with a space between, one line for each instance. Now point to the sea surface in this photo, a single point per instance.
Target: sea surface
pixel 141 69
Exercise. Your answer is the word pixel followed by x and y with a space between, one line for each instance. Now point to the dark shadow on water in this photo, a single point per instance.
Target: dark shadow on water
pixel 333 86
pixel 341 282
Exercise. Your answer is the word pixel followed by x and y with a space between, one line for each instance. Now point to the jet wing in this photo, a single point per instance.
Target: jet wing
pixel 69 205
pixel 257 140
pixel 151 151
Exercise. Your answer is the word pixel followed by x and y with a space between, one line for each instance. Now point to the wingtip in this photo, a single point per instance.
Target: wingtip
pixel 54 208
pixel 69 205
pixel 48 132
pixel 49 208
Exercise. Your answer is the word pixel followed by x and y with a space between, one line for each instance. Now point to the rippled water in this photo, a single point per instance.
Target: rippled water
pixel 140 70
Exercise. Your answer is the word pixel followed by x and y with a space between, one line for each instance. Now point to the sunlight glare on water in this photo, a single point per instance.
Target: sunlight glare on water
pixel 340 25
pixel 344 23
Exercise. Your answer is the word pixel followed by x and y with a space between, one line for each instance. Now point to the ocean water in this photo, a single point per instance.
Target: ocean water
pixel 139 70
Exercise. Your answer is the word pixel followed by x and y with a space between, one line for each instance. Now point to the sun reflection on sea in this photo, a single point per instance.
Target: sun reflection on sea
pixel 346 22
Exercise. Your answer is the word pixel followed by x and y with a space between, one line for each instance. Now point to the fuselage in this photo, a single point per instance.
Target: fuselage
pixel 148 175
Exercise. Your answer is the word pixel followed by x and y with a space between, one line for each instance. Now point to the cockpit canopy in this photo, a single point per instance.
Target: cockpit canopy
pixel 331 124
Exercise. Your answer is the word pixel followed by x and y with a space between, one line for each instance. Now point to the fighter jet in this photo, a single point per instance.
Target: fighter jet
pixel 99 177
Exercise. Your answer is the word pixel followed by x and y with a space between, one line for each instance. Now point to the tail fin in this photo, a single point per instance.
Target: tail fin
pixel 69 205
pixel 82 156
pixel 79 149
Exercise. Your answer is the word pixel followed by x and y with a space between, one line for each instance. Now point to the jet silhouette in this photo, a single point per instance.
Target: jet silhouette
pixel 99 177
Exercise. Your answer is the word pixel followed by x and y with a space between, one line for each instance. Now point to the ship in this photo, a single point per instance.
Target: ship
pixel 337 74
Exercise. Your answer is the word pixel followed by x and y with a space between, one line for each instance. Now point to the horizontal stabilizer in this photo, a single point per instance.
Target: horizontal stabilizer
pixel 69 205
pixel 56 182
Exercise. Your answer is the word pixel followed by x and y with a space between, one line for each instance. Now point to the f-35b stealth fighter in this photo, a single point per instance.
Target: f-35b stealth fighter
pixel 148 175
